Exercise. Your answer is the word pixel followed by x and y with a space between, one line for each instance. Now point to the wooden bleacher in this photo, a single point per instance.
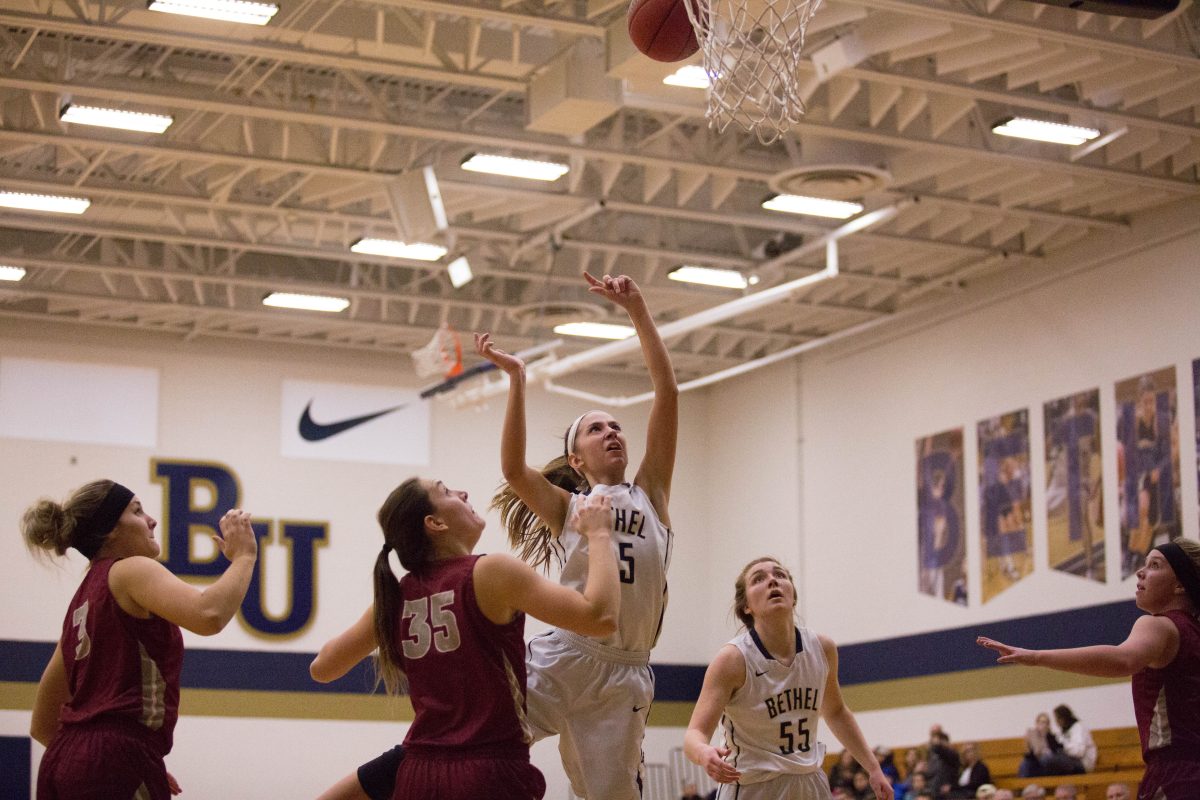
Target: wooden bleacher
pixel 1119 761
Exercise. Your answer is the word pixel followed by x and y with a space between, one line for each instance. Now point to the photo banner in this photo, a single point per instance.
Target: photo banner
pixel 1075 485
pixel 1004 504
pixel 941 528
pixel 1147 464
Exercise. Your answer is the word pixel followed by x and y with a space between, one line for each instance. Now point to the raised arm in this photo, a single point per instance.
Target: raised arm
pixel 545 499
pixel 339 655
pixel 1152 642
pixel 142 584
pixel 52 693
pixel 658 465
pixel 724 676
pixel 504 584
pixel 844 726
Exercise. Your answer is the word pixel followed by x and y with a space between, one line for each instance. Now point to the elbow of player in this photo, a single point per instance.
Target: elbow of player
pixel 208 623
pixel 603 624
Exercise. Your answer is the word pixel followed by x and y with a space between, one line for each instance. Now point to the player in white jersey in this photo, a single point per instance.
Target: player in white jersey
pixel 769 687
pixel 596 693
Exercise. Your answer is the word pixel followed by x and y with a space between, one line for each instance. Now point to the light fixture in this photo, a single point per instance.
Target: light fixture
pixel 44 202
pixel 459 271
pixel 306 302
pixel 224 10
pixel 11 273
pixel 692 76
pixel 417 251
pixel 116 118
pixel 515 167
pixel 595 330
pixel 812 206
pixel 710 276
pixel 1041 131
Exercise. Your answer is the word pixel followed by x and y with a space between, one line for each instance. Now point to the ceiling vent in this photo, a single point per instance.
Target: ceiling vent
pixel 555 312
pixel 831 181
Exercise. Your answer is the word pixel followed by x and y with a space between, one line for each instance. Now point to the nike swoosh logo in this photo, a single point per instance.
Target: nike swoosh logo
pixel 637 708
pixel 758 674
pixel 311 431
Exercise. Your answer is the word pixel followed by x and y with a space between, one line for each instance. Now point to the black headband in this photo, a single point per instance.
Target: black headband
pixel 1185 570
pixel 91 531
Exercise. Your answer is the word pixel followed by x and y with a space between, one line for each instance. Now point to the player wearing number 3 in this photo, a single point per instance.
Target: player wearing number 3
pixel 769 686
pixel 452 630
pixel 108 701
pixel 595 693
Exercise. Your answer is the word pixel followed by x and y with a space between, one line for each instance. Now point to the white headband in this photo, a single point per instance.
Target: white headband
pixel 569 444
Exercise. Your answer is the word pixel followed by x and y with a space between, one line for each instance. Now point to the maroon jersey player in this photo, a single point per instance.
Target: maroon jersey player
pixel 1162 653
pixel 451 631
pixel 108 700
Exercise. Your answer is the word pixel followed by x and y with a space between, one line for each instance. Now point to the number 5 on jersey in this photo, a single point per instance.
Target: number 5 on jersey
pixel 626 564
pixel 431 620
pixel 787 740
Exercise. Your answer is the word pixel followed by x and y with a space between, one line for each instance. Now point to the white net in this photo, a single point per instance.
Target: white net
pixel 751 53
pixel 442 356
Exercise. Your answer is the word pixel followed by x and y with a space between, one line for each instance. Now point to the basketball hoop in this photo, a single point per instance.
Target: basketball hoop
pixel 751 53
pixel 441 357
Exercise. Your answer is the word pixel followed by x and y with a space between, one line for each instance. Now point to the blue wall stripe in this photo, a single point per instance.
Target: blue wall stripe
pixel 952 650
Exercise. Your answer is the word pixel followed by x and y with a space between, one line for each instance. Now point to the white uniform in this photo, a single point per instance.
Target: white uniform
pixel 596 693
pixel 770 723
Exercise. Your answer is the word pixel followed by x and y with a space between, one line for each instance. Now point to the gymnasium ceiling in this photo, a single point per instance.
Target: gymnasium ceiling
pixel 288 139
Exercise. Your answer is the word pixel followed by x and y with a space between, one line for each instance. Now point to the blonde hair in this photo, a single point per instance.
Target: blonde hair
pixel 50 526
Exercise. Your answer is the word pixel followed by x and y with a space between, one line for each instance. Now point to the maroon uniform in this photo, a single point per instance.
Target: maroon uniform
pixel 466 676
pixel 123 675
pixel 1166 703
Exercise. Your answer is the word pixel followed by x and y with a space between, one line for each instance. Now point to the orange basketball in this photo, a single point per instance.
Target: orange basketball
pixel 661 29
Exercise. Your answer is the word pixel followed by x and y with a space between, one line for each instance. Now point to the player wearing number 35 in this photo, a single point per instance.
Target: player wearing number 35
pixel 769 686
pixel 452 630
pixel 108 701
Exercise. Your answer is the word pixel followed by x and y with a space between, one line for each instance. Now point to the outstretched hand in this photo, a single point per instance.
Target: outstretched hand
pixel 237 535
pixel 620 290
pixel 1008 654
pixel 717 767
pixel 485 347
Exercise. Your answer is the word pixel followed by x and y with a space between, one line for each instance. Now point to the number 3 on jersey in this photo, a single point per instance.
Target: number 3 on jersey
pixel 430 620
pixel 84 644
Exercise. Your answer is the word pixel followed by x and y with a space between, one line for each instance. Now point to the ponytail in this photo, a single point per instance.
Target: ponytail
pixel 388 669
pixel 83 521
pixel 528 533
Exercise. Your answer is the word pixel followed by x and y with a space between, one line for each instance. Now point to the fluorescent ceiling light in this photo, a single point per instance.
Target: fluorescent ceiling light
pixel 225 10
pixel 44 202
pixel 515 167
pixel 306 302
pixel 418 251
pixel 116 118
pixel 595 330
pixel 812 206
pixel 692 76
pixel 1038 130
pixel 11 273
pixel 460 272
pixel 709 276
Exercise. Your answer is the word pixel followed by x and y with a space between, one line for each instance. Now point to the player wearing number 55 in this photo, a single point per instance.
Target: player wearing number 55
pixel 108 701
pixel 451 631
pixel 769 686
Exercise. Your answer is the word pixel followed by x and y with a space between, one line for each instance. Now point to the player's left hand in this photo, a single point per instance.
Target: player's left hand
pixel 881 786
pixel 173 784
pixel 1008 654
pixel 620 290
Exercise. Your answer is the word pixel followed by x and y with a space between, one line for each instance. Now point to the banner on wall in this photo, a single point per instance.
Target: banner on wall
pixel 63 401
pixel 1074 485
pixel 345 422
pixel 1147 464
pixel 1004 507
pixel 940 525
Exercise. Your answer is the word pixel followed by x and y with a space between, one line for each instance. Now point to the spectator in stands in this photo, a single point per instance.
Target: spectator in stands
pixel 862 787
pixel 918 784
pixel 887 763
pixel 690 792
pixel 841 774
pixel 1003 794
pixel 1044 752
pixel 973 775
pixel 1077 740
pixel 1033 792
pixel 944 764
pixel 1117 791
pixel 1065 792
pixel 985 792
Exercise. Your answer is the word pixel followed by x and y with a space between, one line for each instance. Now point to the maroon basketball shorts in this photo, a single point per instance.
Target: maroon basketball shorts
pixel 470 778
pixel 101 761
pixel 1171 779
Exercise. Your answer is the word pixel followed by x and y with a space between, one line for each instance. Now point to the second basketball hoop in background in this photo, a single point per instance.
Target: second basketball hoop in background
pixel 662 29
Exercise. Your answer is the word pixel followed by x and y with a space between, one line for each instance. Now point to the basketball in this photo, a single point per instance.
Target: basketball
pixel 661 29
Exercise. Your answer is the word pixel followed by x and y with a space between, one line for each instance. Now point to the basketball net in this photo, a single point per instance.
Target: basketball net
pixel 751 53
pixel 441 357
